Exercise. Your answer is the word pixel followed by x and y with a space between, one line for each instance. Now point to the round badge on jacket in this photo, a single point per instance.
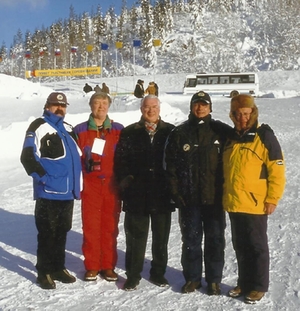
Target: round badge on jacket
pixel 186 147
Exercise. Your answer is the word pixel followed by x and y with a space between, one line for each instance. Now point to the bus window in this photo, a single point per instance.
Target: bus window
pixel 224 80
pixel 235 80
pixel 213 80
pixel 201 81
pixel 191 82
pixel 251 79
pixel 245 79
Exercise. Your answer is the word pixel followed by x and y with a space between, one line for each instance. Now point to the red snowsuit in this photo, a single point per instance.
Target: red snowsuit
pixel 100 204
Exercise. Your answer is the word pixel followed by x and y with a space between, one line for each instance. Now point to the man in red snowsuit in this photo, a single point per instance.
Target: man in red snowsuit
pixel 97 139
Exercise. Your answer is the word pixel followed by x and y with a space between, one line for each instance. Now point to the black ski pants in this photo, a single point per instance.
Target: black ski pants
pixel 136 230
pixel 250 242
pixel 208 220
pixel 53 220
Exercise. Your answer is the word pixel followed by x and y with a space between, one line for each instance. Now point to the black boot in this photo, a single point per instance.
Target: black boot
pixel 63 276
pixel 45 281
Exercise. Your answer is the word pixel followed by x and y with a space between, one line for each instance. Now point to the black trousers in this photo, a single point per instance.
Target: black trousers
pixel 53 220
pixel 250 242
pixel 208 220
pixel 136 230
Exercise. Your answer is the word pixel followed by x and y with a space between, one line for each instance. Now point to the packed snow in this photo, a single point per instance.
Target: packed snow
pixel 22 101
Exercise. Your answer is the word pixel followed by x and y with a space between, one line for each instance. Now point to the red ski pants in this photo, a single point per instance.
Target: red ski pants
pixel 100 218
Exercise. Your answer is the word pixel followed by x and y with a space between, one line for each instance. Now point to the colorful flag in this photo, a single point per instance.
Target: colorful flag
pixel 27 54
pixel 156 42
pixel 119 44
pixel 89 47
pixel 137 43
pixel 104 46
pixel 57 52
pixel 73 49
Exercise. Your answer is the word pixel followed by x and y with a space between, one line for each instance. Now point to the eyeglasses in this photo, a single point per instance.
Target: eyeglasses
pixel 243 114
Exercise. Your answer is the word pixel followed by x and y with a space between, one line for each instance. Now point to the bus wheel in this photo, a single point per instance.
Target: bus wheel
pixel 234 93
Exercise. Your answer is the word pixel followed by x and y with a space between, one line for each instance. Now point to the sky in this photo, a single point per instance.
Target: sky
pixel 22 101
pixel 34 14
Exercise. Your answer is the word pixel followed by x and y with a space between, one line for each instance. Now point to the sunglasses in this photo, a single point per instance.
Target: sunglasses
pixel 58 104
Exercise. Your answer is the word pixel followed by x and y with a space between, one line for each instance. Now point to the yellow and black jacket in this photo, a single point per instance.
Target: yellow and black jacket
pixel 254 171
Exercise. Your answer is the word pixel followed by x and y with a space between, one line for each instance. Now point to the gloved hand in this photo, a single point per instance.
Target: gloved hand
pixel 179 202
pixel 125 182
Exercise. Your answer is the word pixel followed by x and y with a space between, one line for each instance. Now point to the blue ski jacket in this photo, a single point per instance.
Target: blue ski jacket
pixel 51 157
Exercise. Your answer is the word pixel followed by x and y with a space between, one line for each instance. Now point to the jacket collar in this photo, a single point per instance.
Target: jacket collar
pixel 141 123
pixel 247 136
pixel 194 121
pixel 92 125
pixel 52 117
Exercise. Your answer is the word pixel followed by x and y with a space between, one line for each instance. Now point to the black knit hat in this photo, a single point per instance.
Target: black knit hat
pixel 201 97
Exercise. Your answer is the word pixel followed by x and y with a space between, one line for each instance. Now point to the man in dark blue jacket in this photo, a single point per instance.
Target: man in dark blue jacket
pixel 51 157
pixel 193 159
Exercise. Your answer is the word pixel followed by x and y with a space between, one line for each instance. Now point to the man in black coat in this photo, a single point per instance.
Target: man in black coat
pixel 143 188
pixel 139 89
pixel 194 169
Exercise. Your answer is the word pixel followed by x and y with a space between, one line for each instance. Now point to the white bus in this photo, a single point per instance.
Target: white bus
pixel 222 83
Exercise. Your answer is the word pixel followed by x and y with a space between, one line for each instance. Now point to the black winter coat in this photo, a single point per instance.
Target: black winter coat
pixel 139 91
pixel 193 158
pixel 146 191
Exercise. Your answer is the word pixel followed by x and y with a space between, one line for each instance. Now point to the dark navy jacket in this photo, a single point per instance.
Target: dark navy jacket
pixel 193 159
pixel 138 157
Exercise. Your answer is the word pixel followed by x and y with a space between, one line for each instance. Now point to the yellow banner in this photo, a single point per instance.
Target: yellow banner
pixel 66 72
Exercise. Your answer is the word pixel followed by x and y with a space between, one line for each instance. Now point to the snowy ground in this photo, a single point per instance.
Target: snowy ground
pixel 21 102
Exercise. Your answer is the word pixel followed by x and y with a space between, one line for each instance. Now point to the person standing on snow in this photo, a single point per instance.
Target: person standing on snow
pixel 51 157
pixel 87 88
pixel 105 88
pixel 193 162
pixel 254 174
pixel 97 138
pixel 97 89
pixel 140 175
pixel 151 89
pixel 139 89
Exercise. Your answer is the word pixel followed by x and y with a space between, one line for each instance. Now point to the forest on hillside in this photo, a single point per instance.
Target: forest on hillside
pixel 170 36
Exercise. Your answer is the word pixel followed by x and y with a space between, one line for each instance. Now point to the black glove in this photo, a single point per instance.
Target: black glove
pixel 179 202
pixel 125 182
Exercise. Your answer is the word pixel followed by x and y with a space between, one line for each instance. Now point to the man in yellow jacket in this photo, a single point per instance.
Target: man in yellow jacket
pixel 254 173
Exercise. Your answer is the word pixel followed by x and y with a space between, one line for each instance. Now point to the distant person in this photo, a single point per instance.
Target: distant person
pixel 254 172
pixel 151 89
pixel 193 159
pixel 51 157
pixel 141 178
pixel 87 88
pixel 97 89
pixel 105 88
pixel 97 138
pixel 139 91
pixel 156 88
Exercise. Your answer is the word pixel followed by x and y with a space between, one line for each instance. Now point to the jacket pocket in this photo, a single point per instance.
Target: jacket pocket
pixel 57 184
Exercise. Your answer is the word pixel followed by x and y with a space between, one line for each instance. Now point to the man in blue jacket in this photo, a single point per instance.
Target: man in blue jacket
pixel 51 157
